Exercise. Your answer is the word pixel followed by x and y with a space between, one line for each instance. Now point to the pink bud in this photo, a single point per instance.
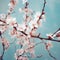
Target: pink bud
pixel 43 13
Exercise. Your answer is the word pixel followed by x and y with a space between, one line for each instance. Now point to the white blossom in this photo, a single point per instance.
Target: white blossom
pixel 15 56
pixel 11 21
pixel 2 16
pixel 24 1
pixel 10 5
pixel 19 51
pixel 37 15
pixel 20 10
pixel 49 45
pixel 58 38
pixel 13 3
pixel 43 16
pixel 50 35
pixel 5 42
pixel 33 24
pixel 21 27
pixel 1 22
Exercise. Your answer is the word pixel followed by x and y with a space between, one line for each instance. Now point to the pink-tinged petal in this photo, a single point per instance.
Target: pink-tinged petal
pixel 6 43
pixel 24 1
pixel 49 45
pixel 58 34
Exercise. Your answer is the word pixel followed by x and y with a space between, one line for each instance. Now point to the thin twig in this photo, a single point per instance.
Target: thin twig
pixel 41 38
pixel 42 13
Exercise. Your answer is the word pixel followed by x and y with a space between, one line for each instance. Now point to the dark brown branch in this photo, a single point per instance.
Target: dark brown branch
pixel 51 55
pixel 23 33
pixel 3 52
pixel 43 9
pixel 2 21
pixel 3 24
pixel 1 57
pixel 26 5
pixel 42 13
pixel 20 31
pixel 33 57
pixel 39 56
pixel 41 38
pixel 56 32
pixel 38 36
pixel 49 51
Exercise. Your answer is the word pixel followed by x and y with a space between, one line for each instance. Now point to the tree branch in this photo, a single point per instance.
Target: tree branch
pixel 1 57
pixel 42 13
pixel 41 38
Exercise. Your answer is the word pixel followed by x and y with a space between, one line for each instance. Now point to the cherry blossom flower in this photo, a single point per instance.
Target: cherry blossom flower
pixel 13 33
pixel 27 18
pixel 11 21
pixel 21 58
pixel 36 18
pixel 50 36
pixel 1 23
pixel 15 56
pixel 30 49
pixel 3 28
pixel 25 11
pixel 26 42
pixel 33 24
pixel 2 16
pixel 20 10
pixel 19 35
pixel 24 1
pixel 58 38
pixel 58 34
pixel 18 55
pixel 43 18
pixel 12 3
pixel 21 27
pixel 23 40
pixel 37 15
pixel 6 43
pixel 19 51
pixel 18 42
pixel 49 45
